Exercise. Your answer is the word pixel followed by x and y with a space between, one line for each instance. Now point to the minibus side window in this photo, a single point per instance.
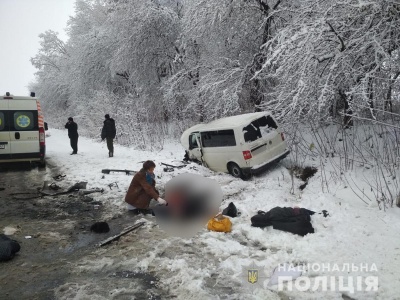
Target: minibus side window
pixel 218 138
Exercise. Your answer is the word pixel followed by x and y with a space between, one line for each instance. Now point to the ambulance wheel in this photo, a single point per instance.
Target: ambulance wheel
pixel 235 170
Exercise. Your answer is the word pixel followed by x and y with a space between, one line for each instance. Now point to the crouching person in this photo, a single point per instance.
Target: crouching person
pixel 142 190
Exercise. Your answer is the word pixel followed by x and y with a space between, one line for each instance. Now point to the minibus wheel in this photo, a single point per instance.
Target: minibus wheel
pixel 235 170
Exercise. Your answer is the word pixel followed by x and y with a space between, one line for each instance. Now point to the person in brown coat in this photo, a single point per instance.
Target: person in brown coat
pixel 142 189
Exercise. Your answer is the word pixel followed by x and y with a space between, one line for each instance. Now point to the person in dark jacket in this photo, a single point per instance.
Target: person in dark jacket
pixel 73 134
pixel 142 189
pixel 108 132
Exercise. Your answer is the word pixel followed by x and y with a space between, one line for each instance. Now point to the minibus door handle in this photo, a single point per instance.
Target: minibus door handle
pixel 17 135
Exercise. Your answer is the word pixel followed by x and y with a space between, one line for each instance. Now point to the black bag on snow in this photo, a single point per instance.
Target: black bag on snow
pixel 302 226
pixel 100 227
pixel 296 221
pixel 8 247
pixel 230 211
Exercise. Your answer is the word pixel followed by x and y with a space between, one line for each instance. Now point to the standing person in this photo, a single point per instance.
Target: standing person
pixel 108 132
pixel 73 134
pixel 142 189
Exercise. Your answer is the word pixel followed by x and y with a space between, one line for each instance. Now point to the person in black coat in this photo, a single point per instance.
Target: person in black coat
pixel 73 134
pixel 108 132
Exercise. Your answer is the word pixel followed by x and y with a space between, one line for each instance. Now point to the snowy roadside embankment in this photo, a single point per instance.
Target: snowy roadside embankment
pixel 213 265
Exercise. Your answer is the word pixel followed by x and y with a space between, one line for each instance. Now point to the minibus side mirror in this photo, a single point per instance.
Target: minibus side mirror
pixel 45 126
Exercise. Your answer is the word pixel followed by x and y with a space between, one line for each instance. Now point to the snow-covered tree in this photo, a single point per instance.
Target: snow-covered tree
pixel 51 62
pixel 192 61
pixel 333 54
pixel 218 55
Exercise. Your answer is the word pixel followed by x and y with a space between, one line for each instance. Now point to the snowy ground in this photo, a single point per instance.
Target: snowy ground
pixel 214 265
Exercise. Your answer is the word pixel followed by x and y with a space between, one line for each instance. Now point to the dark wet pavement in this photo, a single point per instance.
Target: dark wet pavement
pixel 53 232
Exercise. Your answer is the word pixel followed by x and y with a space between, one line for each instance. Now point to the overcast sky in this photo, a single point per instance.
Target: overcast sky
pixel 21 22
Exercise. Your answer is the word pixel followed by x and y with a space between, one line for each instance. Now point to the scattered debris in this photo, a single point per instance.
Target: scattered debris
pixel 303 186
pixel 127 172
pixel 78 186
pixel 171 166
pixel 231 211
pixel 8 230
pixel 45 191
pixel 59 177
pixel 100 227
pixel 123 232
pixel 54 186
pixel 86 199
pixel 84 192
pixel 75 187
pixel 304 173
pixel 113 184
pixel 139 275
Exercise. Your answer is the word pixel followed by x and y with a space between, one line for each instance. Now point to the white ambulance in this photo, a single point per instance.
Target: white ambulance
pixel 240 145
pixel 22 130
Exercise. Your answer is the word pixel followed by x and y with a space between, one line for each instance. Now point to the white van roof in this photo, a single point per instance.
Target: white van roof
pixel 221 124
pixel 230 122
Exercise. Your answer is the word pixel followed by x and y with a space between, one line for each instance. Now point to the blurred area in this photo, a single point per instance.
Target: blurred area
pixel 191 201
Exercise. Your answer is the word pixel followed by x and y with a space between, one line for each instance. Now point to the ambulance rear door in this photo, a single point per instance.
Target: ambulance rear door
pixel 4 130
pixel 24 129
